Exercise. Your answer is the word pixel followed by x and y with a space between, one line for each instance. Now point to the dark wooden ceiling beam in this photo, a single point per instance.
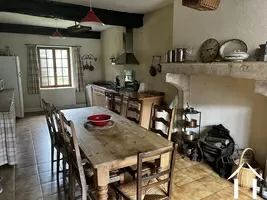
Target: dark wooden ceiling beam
pixel 39 30
pixel 71 12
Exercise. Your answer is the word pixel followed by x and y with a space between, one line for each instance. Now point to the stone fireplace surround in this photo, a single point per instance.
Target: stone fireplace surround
pixel 179 74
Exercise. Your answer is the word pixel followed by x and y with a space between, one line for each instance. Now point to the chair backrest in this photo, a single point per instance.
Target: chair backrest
pixel 134 109
pixel 50 122
pixel 46 105
pixel 161 177
pixel 115 102
pixel 56 115
pixel 70 144
pixel 168 123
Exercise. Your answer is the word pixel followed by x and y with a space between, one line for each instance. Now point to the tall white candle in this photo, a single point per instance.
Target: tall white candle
pixel 254 191
pixel 235 188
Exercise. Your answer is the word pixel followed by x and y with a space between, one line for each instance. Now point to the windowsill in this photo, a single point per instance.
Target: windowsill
pixel 57 88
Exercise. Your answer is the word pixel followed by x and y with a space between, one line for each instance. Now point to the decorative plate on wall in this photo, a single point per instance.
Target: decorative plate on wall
pixel 209 50
pixel 232 46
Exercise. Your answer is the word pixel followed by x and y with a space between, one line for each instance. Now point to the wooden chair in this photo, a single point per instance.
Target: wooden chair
pixel 79 169
pixel 56 114
pixel 168 123
pixel 56 142
pixel 134 109
pixel 115 102
pixel 152 187
pixel 73 155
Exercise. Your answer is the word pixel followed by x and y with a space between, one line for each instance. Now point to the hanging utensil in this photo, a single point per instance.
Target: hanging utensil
pixel 91 67
pixel 86 64
pixel 152 69
pixel 159 67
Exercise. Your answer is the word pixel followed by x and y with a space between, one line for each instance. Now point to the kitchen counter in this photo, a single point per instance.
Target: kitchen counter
pixel 142 95
pixel 6 98
pixel 96 96
pixel 138 95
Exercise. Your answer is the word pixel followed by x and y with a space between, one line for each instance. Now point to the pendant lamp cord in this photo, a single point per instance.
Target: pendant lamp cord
pixel 56 23
pixel 90 5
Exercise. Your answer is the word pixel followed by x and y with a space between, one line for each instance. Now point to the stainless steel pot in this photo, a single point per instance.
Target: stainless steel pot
pixel 189 135
pixel 188 152
pixel 179 55
pixel 170 56
pixel 191 123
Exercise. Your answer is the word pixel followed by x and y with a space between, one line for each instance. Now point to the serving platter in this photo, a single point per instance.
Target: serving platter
pixel 89 126
pixel 231 46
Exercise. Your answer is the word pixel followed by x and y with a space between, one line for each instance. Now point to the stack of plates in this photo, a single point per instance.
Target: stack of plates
pixel 236 56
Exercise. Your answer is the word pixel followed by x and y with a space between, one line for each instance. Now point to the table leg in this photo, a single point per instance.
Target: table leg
pixel 102 180
pixel 164 161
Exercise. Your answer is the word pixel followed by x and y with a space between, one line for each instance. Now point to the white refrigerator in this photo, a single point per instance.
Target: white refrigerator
pixel 11 74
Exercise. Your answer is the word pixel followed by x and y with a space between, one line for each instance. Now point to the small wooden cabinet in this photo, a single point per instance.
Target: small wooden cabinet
pixel 99 99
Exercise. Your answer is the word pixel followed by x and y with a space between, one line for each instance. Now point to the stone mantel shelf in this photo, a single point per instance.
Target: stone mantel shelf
pixel 177 73
pixel 249 70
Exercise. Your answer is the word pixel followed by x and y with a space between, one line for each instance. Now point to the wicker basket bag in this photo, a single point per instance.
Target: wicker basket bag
pixel 245 175
pixel 202 4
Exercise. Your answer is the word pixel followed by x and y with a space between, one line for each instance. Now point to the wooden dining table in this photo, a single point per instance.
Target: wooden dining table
pixel 113 147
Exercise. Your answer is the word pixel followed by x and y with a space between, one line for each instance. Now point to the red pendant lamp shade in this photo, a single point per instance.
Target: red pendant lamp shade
pixel 57 34
pixel 91 20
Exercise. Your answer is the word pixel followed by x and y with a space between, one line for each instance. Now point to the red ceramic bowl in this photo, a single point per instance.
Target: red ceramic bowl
pixel 99 120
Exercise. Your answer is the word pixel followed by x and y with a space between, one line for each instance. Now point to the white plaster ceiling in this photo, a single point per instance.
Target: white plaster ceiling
pixel 14 18
pixel 131 6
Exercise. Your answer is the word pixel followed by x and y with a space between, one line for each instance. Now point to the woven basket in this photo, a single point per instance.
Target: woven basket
pixel 245 175
pixel 202 4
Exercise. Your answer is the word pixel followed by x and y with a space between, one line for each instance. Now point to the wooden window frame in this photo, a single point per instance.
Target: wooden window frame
pixel 55 67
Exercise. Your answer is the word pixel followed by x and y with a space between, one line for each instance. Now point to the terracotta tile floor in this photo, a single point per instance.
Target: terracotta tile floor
pixel 31 178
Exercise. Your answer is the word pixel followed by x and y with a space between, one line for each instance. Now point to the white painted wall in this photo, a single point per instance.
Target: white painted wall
pixel 17 42
pixel 229 101
pixel 60 97
pixel 245 20
pixel 154 38
pixel 112 45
